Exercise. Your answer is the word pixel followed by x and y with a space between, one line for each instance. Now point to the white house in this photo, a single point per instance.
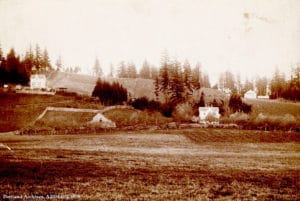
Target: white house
pixel 250 94
pixel 204 112
pixel 38 81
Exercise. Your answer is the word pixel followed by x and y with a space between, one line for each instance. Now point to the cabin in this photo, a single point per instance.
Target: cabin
pixel 210 114
pixel 250 94
pixel 38 81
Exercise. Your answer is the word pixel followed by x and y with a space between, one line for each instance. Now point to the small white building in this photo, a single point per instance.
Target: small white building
pixel 250 94
pixel 38 81
pixel 205 112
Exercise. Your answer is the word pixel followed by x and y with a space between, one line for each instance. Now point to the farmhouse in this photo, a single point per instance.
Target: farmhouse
pixel 250 94
pixel 209 112
pixel 38 81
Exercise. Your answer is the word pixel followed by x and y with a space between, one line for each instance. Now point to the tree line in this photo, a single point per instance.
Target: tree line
pixel 176 81
pixel 276 87
pixel 16 69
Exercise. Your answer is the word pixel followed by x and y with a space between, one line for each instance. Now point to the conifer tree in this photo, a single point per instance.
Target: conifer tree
pixel 45 62
pixel 97 68
pixel 131 70
pixel 187 79
pixel 196 77
pixel 176 83
pixel 153 72
pixel 122 70
pixel 164 76
pixel 58 64
pixel 38 58
pixel 145 70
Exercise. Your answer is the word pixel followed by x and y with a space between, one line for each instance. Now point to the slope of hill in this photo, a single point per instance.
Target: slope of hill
pixel 274 107
pixel 84 84
pixel 138 87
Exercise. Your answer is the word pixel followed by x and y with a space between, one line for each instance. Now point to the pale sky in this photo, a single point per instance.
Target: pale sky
pixel 250 37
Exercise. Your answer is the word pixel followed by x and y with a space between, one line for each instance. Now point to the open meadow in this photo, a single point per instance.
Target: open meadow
pixel 190 164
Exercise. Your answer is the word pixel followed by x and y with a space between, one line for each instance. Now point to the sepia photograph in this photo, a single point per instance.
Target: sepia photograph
pixel 149 100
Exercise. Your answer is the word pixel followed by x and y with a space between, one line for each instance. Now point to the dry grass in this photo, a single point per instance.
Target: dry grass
pixel 153 166
pixel 60 119
pixel 84 84
pixel 274 107
pixel 19 110
pixel 132 117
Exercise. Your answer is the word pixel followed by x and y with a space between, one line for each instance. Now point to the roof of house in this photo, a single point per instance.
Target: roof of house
pixel 38 76
pixel 250 92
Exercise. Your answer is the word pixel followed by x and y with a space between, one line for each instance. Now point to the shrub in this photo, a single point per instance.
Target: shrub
pixel 140 103
pixel 154 105
pixel 183 112
pixel 239 118
pixel 211 118
pixel 143 103
pixel 237 105
pixel 167 109
pixel 220 105
pixel 110 94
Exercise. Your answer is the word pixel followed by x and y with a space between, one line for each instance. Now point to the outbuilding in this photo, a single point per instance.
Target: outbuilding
pixel 250 94
pixel 38 81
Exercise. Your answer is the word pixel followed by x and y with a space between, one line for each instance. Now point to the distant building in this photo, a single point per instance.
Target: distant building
pixel 250 94
pixel 205 113
pixel 263 97
pixel 38 81
pixel 227 91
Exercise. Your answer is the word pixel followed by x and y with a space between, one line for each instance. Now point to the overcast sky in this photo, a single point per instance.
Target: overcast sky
pixel 250 37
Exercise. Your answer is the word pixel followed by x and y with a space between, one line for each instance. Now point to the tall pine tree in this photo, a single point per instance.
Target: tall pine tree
pixel 176 83
pixel 145 70
pixel 97 68
pixel 196 77
pixel 187 79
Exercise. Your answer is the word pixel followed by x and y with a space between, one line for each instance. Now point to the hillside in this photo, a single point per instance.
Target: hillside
pixel 138 87
pixel 20 110
pixel 274 107
pixel 84 84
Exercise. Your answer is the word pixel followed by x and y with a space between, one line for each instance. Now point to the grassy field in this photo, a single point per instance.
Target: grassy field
pixel 84 84
pixel 193 164
pixel 133 117
pixel 20 110
pixel 274 107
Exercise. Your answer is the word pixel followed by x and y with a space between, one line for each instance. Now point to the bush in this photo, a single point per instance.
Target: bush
pixel 211 118
pixel 167 109
pixel 239 118
pixel 220 105
pixel 140 103
pixel 183 112
pixel 237 105
pixel 110 94
pixel 144 104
